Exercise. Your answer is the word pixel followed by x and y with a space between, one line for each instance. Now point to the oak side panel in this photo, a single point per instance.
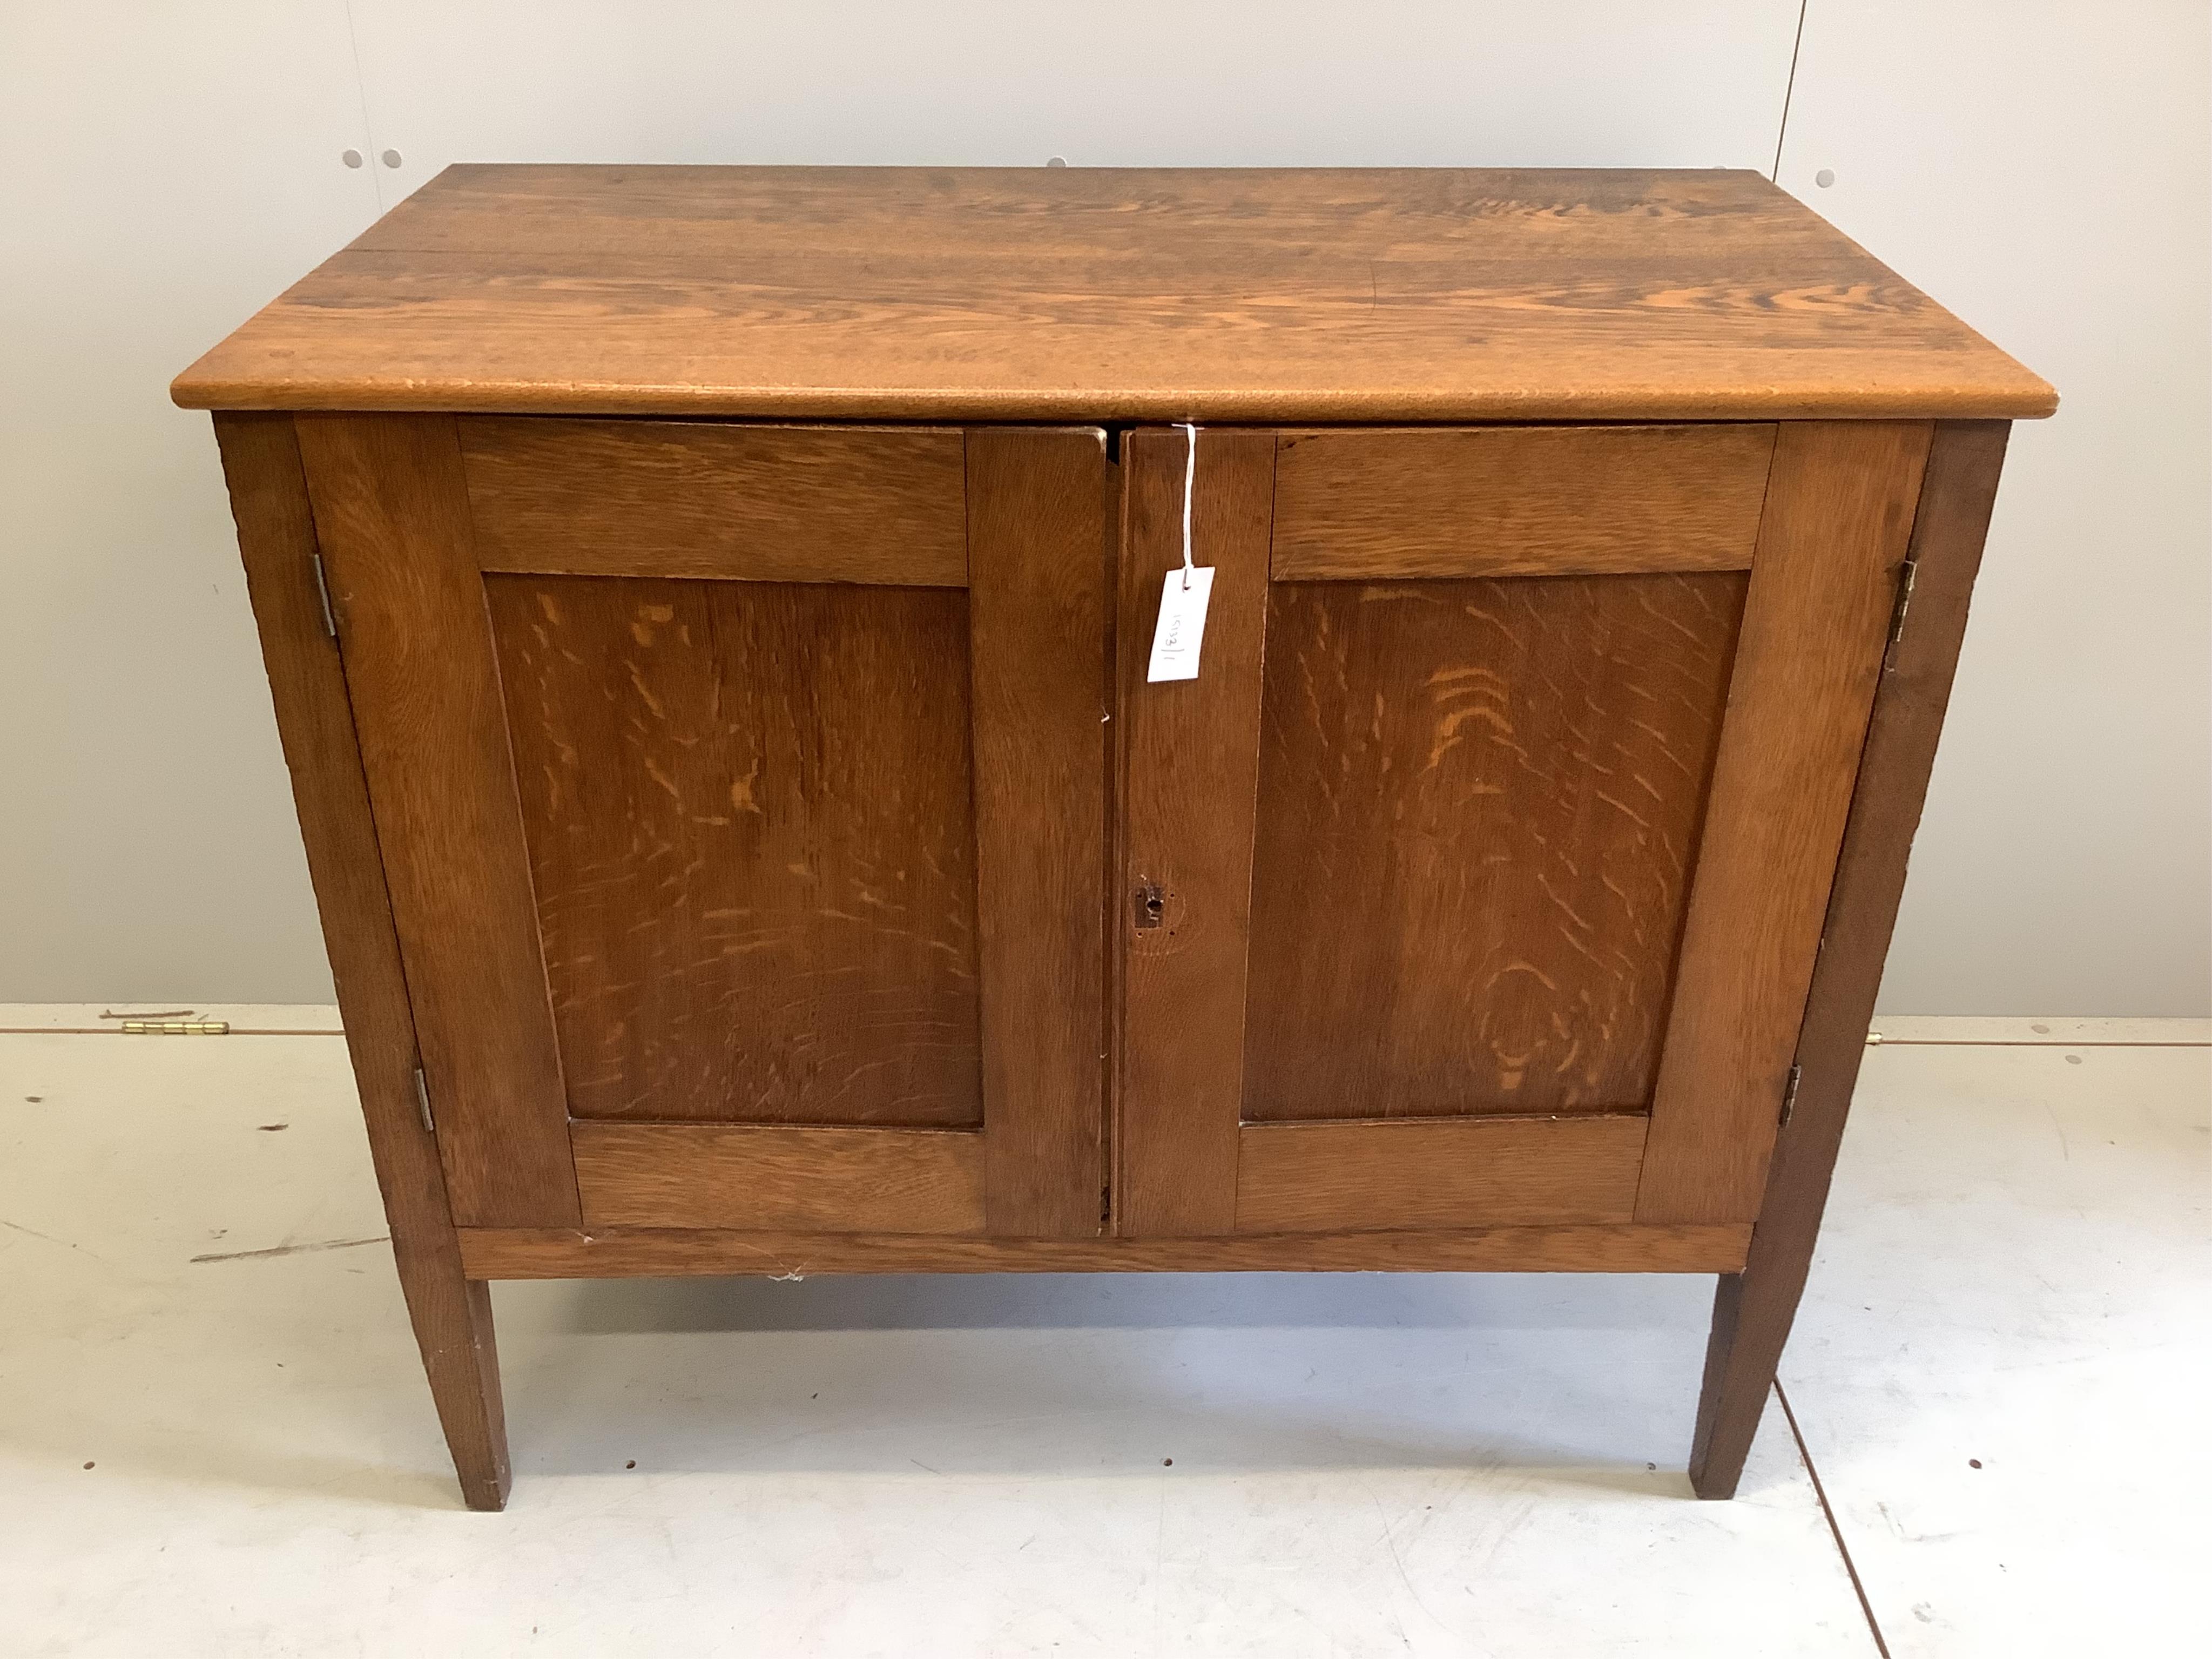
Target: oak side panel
pixel 830 1181
pixel 1752 1310
pixel 1190 770
pixel 452 1316
pixel 1469 1172
pixel 1041 689
pixel 627 1252
pixel 1518 500
pixel 1840 510
pixel 754 503
pixel 1478 803
pixel 392 516
pixel 752 844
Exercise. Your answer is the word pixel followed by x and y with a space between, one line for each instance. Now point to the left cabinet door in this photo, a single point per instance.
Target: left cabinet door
pixel 742 795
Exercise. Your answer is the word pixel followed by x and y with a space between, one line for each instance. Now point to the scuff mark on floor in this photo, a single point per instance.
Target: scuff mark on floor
pixel 17 1227
pixel 293 1249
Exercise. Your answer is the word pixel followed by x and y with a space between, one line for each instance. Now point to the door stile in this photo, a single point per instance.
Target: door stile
pixel 392 518
pixel 1038 626
pixel 1823 583
pixel 1191 781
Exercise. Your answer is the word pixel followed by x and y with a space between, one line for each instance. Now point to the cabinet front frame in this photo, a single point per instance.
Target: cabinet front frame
pixel 393 512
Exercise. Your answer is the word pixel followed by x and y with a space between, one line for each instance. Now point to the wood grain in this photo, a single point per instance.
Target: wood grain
pixel 1040 622
pixel 450 1315
pixel 392 516
pixel 748 808
pixel 810 1179
pixel 1251 295
pixel 755 503
pixel 1382 1177
pixel 1479 804
pixel 1839 509
pixel 1190 764
pixel 625 1252
pixel 1752 1310
pixel 1518 501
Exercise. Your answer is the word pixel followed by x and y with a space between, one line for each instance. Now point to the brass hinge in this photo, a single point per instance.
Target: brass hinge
pixel 1790 1094
pixel 1906 578
pixel 175 1028
pixel 323 593
pixel 422 1101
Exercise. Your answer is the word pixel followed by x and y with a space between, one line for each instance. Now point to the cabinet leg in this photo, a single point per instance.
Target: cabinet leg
pixel 452 1325
pixel 1751 1321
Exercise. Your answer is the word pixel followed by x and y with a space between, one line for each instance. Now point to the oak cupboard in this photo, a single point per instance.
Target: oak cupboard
pixel 708 613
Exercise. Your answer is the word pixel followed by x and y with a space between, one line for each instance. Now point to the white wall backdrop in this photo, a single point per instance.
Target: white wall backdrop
pixel 2041 169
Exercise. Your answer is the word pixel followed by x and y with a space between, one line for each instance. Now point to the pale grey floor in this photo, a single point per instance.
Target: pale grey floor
pixel 2014 1274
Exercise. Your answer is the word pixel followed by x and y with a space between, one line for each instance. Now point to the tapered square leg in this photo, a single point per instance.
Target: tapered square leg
pixel 452 1325
pixel 1741 1357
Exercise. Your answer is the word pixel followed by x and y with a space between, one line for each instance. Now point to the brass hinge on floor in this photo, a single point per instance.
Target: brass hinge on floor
pixel 422 1101
pixel 1790 1094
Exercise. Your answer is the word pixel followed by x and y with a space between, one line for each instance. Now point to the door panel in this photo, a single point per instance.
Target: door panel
pixel 1490 848
pixel 751 838
pixel 794 834
pixel 1478 805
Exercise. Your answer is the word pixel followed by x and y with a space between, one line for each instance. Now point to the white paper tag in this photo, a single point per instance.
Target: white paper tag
pixel 1182 625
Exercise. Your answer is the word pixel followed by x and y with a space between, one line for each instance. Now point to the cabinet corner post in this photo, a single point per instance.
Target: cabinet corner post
pixel 451 1313
pixel 1752 1310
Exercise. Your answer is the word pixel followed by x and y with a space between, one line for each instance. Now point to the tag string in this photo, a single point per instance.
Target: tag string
pixel 1189 478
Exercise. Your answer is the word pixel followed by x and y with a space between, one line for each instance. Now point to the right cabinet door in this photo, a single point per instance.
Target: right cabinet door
pixel 1477 878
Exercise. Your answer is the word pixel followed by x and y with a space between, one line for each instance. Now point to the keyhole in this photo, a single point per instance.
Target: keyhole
pixel 1152 905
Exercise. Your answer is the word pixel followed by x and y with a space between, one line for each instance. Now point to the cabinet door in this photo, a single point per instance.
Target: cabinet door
pixel 1477 878
pixel 742 795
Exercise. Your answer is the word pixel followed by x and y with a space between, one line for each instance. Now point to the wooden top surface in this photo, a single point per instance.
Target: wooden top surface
pixel 1098 294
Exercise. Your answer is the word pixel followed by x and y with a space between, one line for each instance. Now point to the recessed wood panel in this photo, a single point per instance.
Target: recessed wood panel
pixel 1478 808
pixel 751 504
pixel 1518 501
pixel 830 1181
pixel 748 811
pixel 1377 1177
